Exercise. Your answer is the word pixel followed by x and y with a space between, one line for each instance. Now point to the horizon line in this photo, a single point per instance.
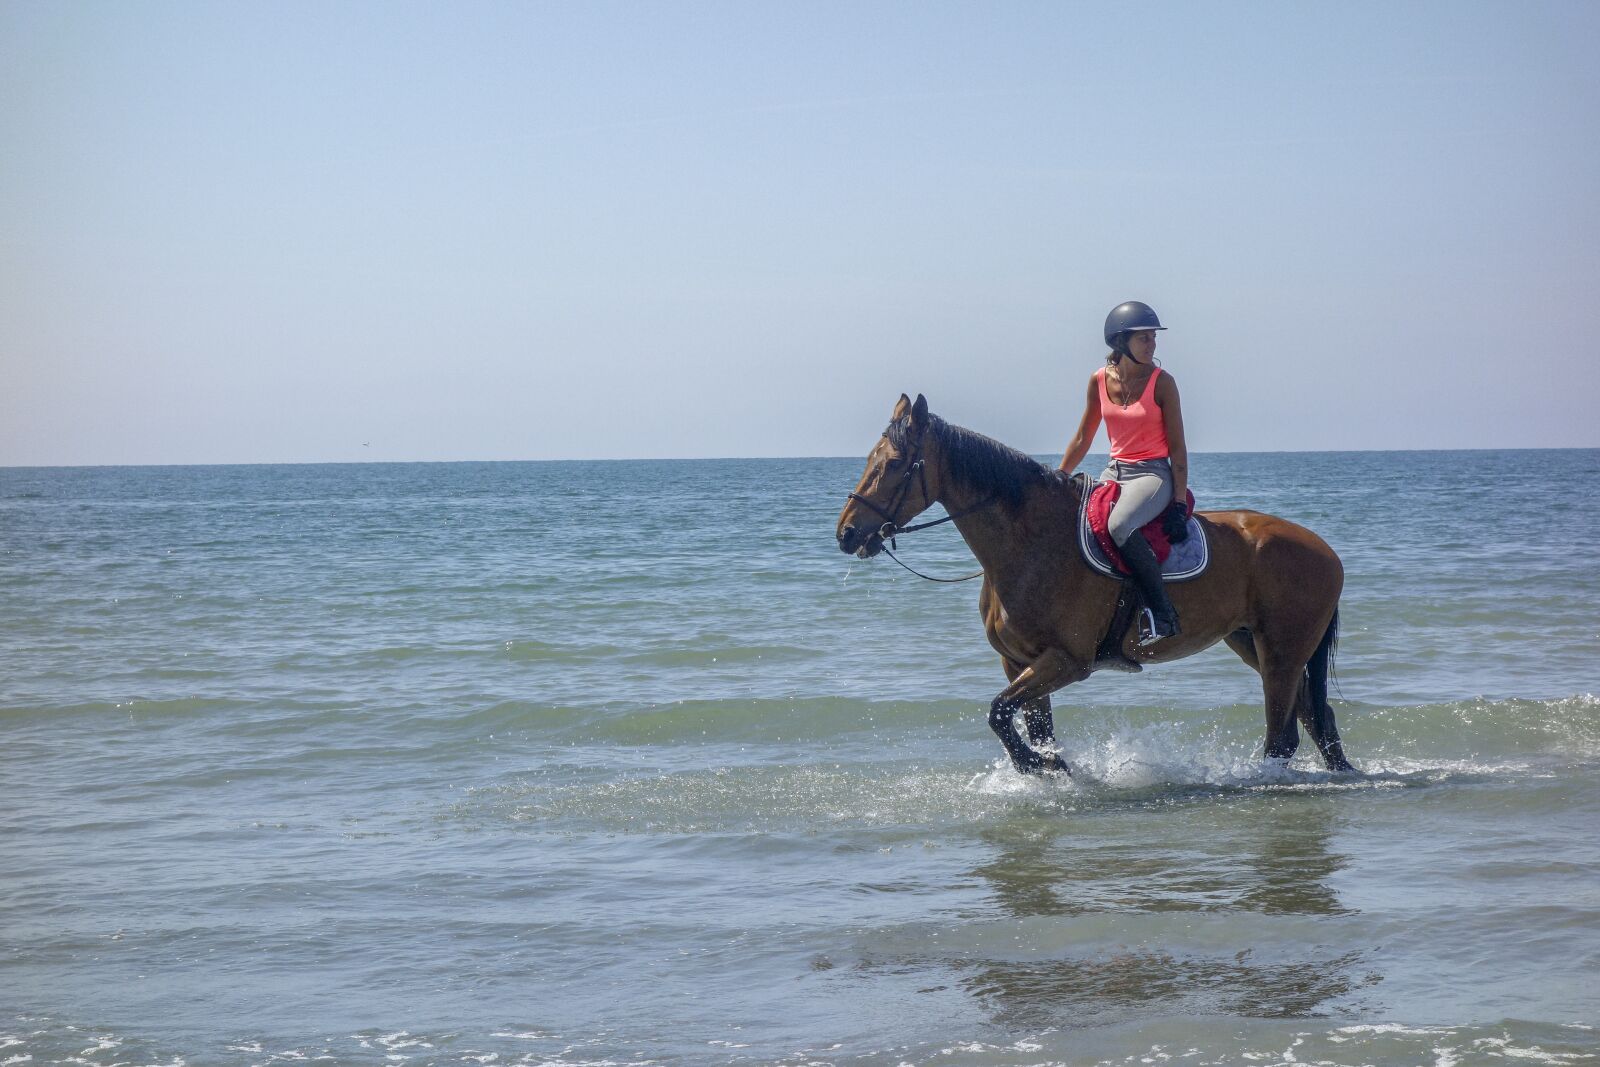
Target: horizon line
pixel 727 459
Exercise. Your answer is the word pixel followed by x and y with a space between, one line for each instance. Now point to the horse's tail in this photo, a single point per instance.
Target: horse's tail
pixel 1319 716
pixel 1320 666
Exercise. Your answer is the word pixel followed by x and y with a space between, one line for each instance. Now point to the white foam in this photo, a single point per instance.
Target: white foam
pixel 1503 1047
pixel 1132 758
pixel 1392 1028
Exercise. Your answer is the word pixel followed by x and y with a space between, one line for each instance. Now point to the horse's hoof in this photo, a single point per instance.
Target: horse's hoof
pixel 1057 765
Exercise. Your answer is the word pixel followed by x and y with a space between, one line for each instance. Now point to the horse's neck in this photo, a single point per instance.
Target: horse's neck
pixel 1008 545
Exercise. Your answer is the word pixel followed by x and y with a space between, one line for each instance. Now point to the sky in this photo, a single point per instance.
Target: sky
pixel 309 232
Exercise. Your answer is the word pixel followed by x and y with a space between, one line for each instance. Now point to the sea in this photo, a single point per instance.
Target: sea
pixel 595 764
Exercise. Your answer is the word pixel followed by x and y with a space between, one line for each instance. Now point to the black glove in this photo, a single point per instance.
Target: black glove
pixel 1175 522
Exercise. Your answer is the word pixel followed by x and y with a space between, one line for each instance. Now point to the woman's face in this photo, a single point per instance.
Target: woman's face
pixel 1142 345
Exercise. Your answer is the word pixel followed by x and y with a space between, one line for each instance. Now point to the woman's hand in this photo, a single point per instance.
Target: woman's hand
pixel 1175 522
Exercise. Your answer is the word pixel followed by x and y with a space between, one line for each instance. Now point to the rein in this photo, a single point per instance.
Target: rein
pixel 929 577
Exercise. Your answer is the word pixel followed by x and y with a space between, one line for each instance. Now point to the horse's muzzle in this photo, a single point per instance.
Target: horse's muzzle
pixel 864 543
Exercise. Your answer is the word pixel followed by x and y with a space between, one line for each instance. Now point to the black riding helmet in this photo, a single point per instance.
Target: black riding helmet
pixel 1126 318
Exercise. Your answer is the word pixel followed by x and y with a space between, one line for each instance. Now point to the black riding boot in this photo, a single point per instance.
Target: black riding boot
pixel 1159 619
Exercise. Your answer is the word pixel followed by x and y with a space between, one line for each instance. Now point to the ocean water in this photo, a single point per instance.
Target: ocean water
pixel 625 763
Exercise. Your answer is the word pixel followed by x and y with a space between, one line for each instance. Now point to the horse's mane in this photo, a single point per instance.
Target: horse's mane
pixel 976 461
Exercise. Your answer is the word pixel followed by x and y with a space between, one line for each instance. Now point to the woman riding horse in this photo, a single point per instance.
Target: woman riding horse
pixel 1270 590
pixel 1149 459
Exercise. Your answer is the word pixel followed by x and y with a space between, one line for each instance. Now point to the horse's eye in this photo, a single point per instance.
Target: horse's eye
pixel 892 463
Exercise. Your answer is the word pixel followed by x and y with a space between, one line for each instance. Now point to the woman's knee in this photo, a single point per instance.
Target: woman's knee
pixel 1121 531
pixel 1136 508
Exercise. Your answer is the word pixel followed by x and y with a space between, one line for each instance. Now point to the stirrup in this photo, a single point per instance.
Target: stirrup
pixel 1149 632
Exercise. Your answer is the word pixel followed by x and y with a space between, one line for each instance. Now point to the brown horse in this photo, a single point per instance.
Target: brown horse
pixel 1271 590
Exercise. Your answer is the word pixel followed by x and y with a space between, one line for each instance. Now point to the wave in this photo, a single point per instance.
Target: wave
pixel 1124 747
pixel 795 766
pixel 1220 739
pixel 706 655
pixel 816 720
pixel 1390 746
pixel 1563 726
pixel 527 650
pixel 174 707
pixel 728 799
pixel 915 798
pixel 1201 1039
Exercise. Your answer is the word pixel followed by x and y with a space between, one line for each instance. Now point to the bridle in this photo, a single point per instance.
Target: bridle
pixel 916 469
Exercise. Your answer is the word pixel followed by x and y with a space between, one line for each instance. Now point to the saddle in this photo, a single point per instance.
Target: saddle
pixel 1179 563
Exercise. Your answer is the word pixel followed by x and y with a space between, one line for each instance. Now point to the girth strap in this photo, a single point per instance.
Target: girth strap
pixel 1109 654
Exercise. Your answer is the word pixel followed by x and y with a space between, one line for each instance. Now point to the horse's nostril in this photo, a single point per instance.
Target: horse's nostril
pixel 847 537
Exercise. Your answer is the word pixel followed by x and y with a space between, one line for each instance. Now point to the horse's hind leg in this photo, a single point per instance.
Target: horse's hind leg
pixel 1320 725
pixel 1318 716
pixel 1282 685
pixel 1315 715
pixel 1244 643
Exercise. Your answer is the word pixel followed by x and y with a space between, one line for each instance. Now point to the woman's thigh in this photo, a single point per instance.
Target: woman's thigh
pixel 1143 497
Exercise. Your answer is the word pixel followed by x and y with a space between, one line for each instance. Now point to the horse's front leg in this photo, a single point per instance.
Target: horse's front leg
pixel 1040 723
pixel 1036 714
pixel 1029 692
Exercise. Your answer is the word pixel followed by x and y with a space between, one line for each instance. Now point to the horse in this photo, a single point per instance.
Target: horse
pixel 1270 591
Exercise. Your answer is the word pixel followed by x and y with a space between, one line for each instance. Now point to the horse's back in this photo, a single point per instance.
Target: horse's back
pixel 1260 532
pixel 1288 570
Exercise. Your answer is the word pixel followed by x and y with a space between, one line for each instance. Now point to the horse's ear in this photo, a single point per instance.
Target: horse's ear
pixel 919 412
pixel 901 408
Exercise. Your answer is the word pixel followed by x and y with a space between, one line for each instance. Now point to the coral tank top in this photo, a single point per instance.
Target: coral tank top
pixel 1136 431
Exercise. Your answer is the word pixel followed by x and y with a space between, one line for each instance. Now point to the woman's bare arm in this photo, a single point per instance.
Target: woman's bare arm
pixel 1177 447
pixel 1088 426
